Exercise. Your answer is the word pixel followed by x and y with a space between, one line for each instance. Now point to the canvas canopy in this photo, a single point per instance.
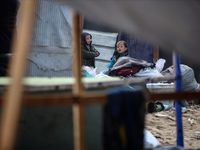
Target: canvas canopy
pixel 173 25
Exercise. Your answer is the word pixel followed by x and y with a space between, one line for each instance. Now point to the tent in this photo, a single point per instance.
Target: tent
pixel 14 93
pixel 173 25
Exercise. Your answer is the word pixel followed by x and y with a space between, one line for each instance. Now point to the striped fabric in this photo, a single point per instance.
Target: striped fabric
pixel 34 71
pixel 50 52
pixel 52 24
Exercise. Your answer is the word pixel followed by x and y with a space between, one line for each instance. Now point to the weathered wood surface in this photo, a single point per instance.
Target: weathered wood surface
pixel 61 99
pixel 49 84
pixel 78 108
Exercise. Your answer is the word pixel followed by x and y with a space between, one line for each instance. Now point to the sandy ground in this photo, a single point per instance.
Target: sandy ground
pixel 163 126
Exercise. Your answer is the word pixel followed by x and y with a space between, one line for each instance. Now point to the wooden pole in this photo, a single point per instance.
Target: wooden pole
pixel 12 106
pixel 156 53
pixel 78 107
pixel 79 126
pixel 76 46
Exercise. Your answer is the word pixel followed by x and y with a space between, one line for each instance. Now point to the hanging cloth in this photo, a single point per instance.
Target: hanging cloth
pixel 124 120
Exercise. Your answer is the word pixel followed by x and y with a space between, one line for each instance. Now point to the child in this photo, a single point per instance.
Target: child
pixel 121 52
pixel 88 50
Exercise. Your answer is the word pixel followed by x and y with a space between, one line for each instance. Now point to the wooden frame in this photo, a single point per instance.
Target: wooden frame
pixel 14 97
pixel 12 106
pixel 156 53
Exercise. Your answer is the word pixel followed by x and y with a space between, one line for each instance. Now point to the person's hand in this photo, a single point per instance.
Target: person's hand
pixel 97 54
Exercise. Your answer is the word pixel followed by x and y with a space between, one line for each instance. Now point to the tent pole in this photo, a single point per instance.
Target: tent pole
pixel 178 85
pixel 156 53
pixel 78 107
pixel 13 96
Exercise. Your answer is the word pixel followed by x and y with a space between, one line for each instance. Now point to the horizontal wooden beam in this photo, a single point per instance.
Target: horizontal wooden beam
pixel 174 96
pixel 56 99
pixel 88 83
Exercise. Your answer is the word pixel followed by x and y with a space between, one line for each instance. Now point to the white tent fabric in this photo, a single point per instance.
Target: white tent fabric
pixel 174 25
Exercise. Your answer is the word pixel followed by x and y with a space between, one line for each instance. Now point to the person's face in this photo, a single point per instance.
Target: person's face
pixel 88 39
pixel 121 49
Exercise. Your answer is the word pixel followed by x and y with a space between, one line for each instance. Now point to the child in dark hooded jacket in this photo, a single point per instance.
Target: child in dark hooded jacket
pixel 88 50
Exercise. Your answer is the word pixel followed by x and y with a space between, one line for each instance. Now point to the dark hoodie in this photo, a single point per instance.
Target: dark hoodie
pixel 83 39
pixel 88 51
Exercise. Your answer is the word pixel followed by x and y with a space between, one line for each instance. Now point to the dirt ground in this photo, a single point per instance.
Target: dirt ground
pixel 163 126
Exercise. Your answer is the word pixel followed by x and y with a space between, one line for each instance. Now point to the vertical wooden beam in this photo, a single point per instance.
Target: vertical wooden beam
pixel 156 53
pixel 77 63
pixel 78 108
pixel 82 22
pixel 12 106
pixel 79 126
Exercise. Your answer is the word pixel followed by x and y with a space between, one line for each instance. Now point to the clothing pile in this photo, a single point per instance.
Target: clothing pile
pixel 127 66
pixel 124 119
pixel 189 82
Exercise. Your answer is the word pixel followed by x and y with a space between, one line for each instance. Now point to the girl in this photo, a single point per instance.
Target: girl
pixel 88 50
pixel 121 52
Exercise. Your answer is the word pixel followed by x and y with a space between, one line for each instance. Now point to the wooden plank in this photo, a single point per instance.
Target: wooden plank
pixel 190 96
pixel 58 99
pixel 89 83
pixel 79 126
pixel 11 109
pixel 76 46
pixel 156 53
pixel 78 108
